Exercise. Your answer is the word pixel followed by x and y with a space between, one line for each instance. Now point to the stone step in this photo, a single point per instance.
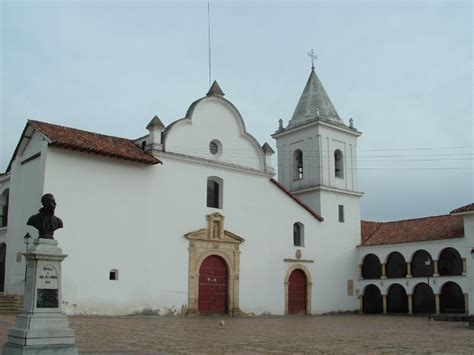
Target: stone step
pixel 451 317
pixel 10 304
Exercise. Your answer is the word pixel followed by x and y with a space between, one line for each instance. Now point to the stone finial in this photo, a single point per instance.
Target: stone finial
pixel 280 124
pixel 155 124
pixel 267 149
pixel 215 90
pixel 351 123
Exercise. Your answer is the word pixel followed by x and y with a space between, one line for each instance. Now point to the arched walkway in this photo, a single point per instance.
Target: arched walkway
pixel 451 299
pixel 397 299
pixel 372 300
pixel 396 266
pixel 450 262
pixel 3 254
pixel 418 264
pixel 297 292
pixel 371 267
pixel 213 286
pixel 423 299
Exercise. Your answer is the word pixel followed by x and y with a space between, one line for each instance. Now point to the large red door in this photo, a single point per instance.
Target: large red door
pixel 213 286
pixel 297 292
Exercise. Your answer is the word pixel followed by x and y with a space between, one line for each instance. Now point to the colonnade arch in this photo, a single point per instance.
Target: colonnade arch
pixel 397 299
pixel 450 262
pixel 451 298
pixel 396 265
pixel 372 301
pixel 371 267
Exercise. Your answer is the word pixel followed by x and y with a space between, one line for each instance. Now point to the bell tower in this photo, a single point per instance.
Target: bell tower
pixel 317 156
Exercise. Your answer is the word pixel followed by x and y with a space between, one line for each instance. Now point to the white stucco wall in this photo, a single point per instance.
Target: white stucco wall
pixel 26 189
pixel 133 218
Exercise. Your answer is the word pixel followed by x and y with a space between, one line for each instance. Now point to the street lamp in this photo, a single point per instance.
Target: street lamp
pixel 27 239
pixel 471 317
pixel 428 263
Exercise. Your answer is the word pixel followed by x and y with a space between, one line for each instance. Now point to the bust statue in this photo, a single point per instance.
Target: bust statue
pixel 45 221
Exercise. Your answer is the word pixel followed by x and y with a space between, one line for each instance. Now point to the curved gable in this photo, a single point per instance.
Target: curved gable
pixel 214 118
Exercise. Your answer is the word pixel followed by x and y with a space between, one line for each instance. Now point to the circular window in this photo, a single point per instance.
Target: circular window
pixel 215 147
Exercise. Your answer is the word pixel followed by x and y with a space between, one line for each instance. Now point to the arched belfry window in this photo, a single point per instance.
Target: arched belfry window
pixel 4 208
pixel 297 165
pixel 338 164
pixel 214 192
pixel 298 234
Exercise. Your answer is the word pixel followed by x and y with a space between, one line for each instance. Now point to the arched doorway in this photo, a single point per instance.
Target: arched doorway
pixel 3 254
pixel 450 262
pixel 397 299
pixel 423 299
pixel 372 300
pixel 213 286
pixel 297 292
pixel 396 266
pixel 418 264
pixel 451 299
pixel 371 267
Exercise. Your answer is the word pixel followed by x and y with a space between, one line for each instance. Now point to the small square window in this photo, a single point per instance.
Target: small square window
pixel 113 275
pixel 341 213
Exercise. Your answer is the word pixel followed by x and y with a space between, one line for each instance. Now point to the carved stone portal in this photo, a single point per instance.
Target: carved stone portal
pixel 214 240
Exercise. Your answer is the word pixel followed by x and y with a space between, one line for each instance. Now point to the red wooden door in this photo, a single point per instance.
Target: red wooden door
pixel 297 292
pixel 213 286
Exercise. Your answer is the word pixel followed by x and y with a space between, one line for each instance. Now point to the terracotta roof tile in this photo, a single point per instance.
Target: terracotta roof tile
pixel 467 208
pixel 297 200
pixel 412 230
pixel 76 139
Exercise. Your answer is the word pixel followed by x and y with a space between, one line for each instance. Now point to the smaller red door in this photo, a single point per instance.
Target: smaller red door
pixel 297 292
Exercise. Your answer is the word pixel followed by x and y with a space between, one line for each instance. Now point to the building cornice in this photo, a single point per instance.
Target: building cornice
pixel 311 123
pixel 212 163
pixel 328 188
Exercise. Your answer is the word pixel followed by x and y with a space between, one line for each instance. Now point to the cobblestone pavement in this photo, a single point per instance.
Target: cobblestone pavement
pixel 275 334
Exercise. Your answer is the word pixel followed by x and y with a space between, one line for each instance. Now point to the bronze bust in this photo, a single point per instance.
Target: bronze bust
pixel 45 221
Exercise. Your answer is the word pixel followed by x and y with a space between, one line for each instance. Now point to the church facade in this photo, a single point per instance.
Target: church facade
pixel 189 218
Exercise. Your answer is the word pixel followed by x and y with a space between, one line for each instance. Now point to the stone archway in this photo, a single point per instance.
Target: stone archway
pixel 214 241
pixel 309 285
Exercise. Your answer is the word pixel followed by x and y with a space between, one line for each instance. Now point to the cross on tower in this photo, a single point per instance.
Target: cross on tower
pixel 313 57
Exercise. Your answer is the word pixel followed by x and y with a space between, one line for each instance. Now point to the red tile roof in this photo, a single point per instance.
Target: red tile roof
pixel 297 200
pixel 467 208
pixel 76 139
pixel 412 230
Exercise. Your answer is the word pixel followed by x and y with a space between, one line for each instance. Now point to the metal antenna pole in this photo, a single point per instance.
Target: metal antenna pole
pixel 209 37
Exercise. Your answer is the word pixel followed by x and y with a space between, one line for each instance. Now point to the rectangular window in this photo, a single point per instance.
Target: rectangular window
pixel 212 194
pixel 341 213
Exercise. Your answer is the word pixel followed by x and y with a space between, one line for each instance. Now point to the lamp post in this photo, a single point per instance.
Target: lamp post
pixel 27 239
pixel 428 263
pixel 471 317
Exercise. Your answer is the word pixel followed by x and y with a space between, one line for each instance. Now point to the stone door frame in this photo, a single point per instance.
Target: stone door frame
pixel 214 240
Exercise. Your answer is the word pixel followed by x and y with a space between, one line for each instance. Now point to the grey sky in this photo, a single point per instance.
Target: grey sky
pixel 402 70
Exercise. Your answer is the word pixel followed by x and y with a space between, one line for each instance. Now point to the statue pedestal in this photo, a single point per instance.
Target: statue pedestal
pixel 41 327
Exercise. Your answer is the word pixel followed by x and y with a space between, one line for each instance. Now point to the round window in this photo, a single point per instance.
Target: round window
pixel 215 147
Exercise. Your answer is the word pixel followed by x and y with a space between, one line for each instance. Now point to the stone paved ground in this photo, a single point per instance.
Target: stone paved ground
pixel 309 334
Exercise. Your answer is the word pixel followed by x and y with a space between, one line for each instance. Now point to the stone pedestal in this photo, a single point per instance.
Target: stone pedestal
pixel 41 327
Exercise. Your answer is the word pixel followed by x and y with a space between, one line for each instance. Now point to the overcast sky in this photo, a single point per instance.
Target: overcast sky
pixel 401 69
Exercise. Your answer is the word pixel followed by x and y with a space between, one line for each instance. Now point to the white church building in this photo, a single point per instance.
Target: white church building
pixel 190 218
